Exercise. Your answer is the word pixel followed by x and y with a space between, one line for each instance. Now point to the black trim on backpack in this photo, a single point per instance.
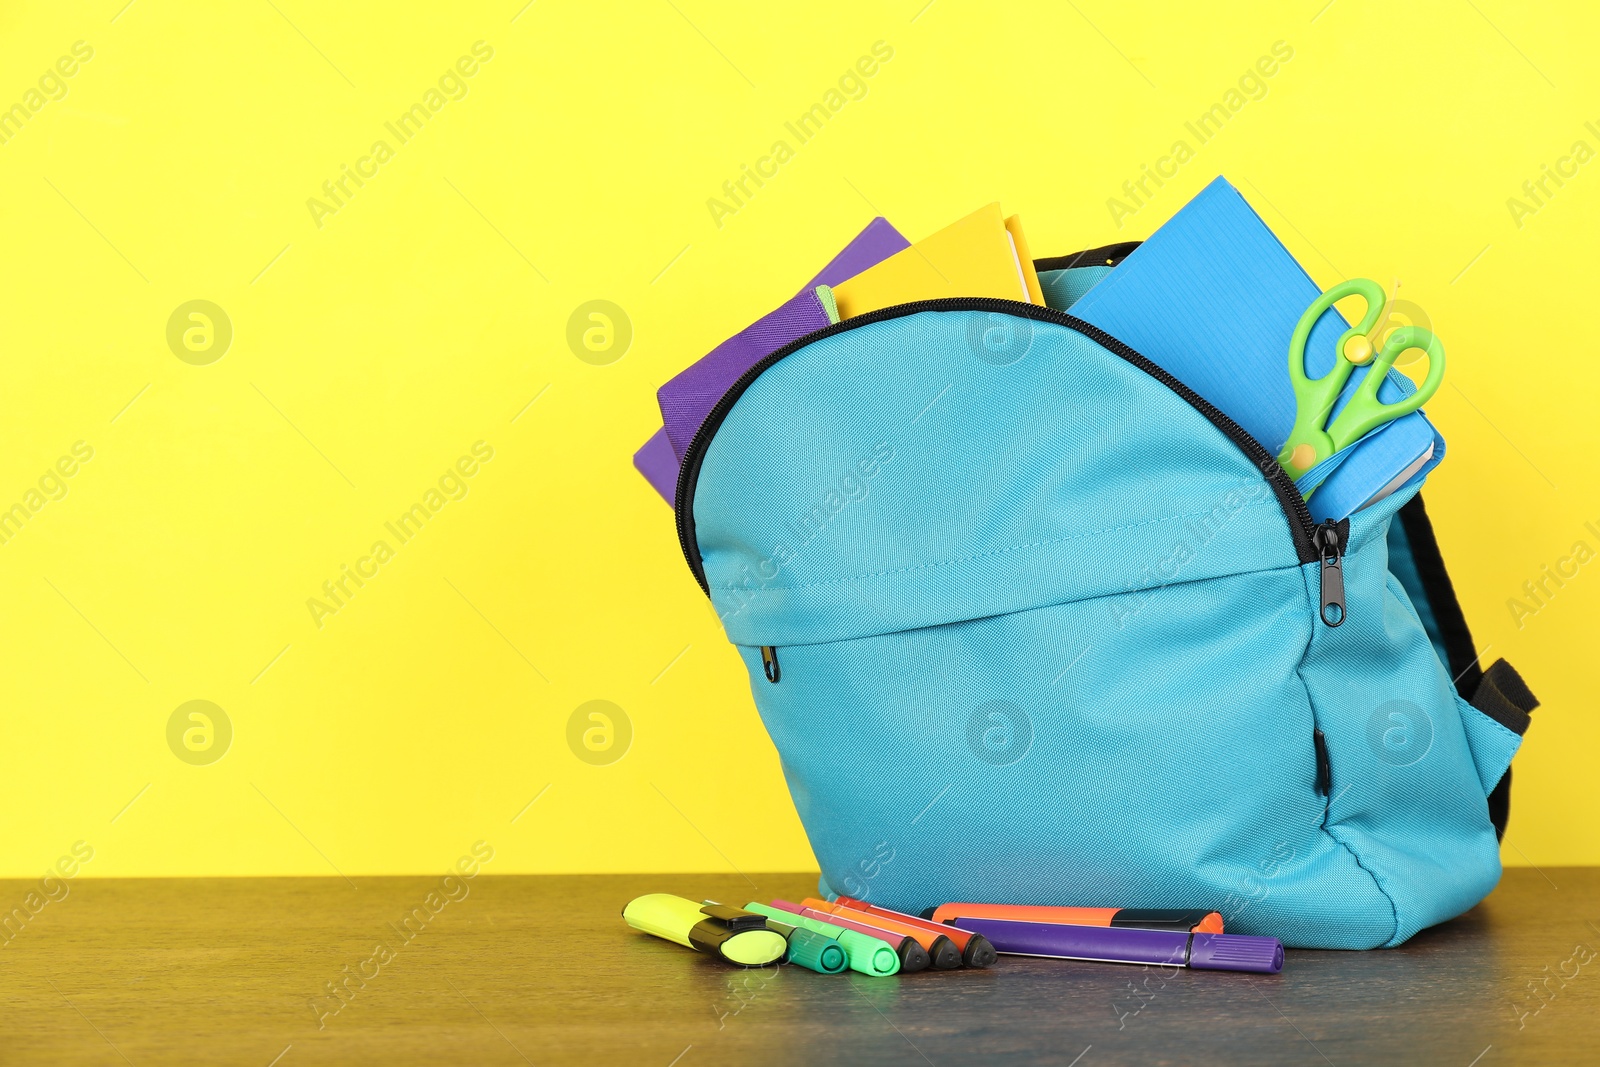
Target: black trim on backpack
pixel 1504 697
pixel 1104 256
pixel 1499 692
pixel 1461 657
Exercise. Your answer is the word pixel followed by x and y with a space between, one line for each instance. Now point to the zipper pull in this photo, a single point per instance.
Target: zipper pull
pixel 769 662
pixel 1328 540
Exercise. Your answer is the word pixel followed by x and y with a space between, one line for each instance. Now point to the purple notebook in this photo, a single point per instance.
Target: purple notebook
pixel 658 464
pixel 688 398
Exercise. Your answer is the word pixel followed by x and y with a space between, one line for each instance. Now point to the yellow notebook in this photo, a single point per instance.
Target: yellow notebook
pixel 1019 246
pixel 984 254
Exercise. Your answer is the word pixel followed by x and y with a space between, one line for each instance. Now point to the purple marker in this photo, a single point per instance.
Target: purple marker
pixel 1114 944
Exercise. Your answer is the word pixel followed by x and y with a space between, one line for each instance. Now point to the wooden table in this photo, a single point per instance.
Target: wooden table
pixel 542 970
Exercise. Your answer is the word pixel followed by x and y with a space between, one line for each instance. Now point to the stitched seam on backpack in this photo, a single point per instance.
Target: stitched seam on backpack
pixel 1516 739
pixel 1494 722
pixel 1009 611
pixel 1394 909
pixel 981 555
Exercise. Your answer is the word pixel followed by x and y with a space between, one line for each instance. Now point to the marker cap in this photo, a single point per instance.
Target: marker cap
pixel 870 955
pixel 747 948
pixel 815 952
pixel 875 955
pixel 944 954
pixel 1236 952
pixel 979 953
pixel 913 957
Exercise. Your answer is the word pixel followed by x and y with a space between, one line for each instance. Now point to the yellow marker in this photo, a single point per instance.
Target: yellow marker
pixel 732 934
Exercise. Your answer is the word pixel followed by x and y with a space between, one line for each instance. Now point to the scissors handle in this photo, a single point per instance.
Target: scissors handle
pixel 1313 439
pixel 1308 442
pixel 1365 412
pixel 1373 294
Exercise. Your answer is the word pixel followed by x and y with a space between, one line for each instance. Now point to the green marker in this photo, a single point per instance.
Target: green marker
pixel 732 934
pixel 812 950
pixel 869 955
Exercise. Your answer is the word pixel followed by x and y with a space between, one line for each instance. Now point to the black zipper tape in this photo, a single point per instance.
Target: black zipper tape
pixel 1301 527
pixel 1324 783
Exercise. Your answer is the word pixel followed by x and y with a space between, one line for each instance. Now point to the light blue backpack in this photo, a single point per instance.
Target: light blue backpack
pixel 1031 622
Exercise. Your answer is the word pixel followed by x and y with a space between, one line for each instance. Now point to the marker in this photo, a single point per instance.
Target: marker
pixel 731 934
pixel 913 957
pixel 810 949
pixel 1106 944
pixel 907 946
pixel 869 954
pixel 1193 920
pixel 943 955
pixel 975 948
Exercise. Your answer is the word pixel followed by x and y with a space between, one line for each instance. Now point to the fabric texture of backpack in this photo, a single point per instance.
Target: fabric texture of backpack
pixel 1030 622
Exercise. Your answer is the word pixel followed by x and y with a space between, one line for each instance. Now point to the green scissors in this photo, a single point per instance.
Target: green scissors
pixel 1309 442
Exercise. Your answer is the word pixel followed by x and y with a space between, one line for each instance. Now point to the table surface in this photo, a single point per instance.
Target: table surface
pixel 541 969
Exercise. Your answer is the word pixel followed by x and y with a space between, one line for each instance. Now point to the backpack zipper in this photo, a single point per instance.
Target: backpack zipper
pixel 1329 539
pixel 1301 527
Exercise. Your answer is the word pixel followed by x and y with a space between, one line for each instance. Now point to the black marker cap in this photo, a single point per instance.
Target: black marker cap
pixel 979 953
pixel 913 957
pixel 944 954
pixel 737 920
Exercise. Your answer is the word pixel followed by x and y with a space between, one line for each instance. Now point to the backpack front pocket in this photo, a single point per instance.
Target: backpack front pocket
pixel 1107 750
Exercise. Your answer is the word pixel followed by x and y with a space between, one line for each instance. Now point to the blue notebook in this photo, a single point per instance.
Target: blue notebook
pixel 1213 297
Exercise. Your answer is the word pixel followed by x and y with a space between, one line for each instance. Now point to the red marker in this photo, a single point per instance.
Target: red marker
pixel 1193 920
pixel 976 951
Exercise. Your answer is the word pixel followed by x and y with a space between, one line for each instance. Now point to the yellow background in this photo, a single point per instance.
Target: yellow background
pixel 370 353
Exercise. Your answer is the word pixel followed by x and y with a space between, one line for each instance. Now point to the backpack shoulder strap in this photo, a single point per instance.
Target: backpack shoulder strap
pixel 1499 692
pixel 1449 631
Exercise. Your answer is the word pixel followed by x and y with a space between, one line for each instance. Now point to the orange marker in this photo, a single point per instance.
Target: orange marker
pixel 975 948
pixel 1193 921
